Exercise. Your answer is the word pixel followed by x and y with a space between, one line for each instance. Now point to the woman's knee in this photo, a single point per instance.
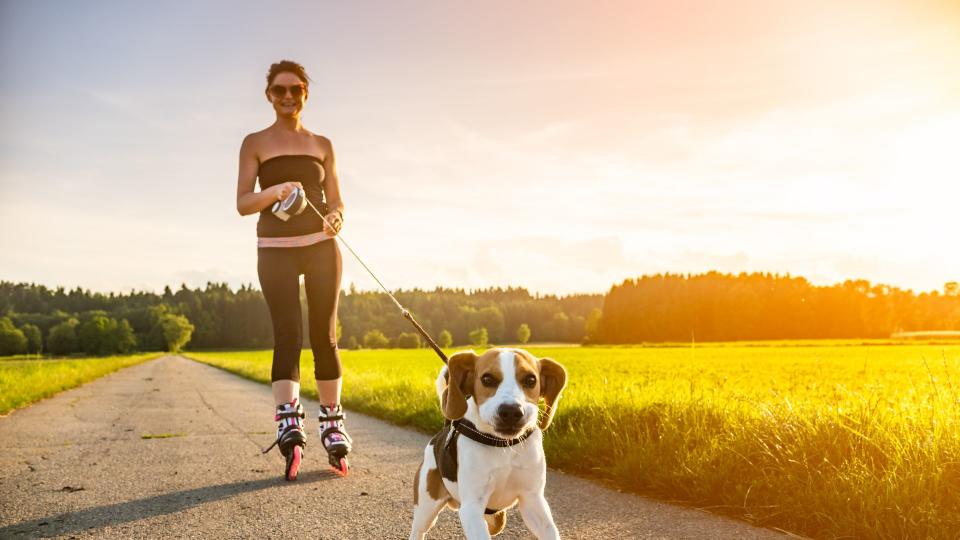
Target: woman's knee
pixel 288 336
pixel 285 371
pixel 326 363
pixel 328 371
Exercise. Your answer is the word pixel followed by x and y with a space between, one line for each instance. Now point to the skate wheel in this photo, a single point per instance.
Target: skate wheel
pixel 342 467
pixel 294 466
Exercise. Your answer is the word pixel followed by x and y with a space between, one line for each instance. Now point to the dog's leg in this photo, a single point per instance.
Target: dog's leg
pixel 536 514
pixel 472 521
pixel 429 496
pixel 425 515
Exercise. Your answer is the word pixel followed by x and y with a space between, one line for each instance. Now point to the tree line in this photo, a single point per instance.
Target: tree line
pixel 760 306
pixel 92 332
pixel 217 316
pixel 665 307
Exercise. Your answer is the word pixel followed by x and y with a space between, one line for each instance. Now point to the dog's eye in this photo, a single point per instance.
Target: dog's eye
pixel 530 381
pixel 488 380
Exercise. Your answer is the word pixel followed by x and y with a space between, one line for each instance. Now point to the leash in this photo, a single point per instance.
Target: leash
pixel 294 202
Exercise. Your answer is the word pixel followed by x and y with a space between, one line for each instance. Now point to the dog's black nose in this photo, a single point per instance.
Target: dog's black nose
pixel 510 412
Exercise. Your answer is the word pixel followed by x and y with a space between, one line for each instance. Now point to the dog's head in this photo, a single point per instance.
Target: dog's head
pixel 506 385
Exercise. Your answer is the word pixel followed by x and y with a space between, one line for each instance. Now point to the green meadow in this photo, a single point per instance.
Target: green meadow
pixel 843 439
pixel 25 379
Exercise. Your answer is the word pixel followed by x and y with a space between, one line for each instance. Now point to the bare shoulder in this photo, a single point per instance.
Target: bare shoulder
pixel 265 135
pixel 253 141
pixel 324 143
pixel 258 135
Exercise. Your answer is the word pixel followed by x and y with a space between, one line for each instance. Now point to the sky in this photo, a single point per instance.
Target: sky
pixel 559 146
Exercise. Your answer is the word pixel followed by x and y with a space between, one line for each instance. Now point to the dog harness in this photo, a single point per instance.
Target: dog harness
pixel 445 447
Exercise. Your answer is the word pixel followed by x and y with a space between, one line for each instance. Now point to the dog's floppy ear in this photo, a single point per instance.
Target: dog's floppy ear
pixel 460 369
pixel 553 378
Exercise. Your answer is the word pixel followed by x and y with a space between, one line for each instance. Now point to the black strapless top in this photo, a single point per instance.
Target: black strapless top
pixel 303 168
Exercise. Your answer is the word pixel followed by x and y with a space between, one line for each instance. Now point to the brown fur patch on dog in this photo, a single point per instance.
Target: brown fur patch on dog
pixel 487 364
pixel 525 364
pixel 553 379
pixel 435 487
pixel 416 484
pixel 459 383
pixel 496 522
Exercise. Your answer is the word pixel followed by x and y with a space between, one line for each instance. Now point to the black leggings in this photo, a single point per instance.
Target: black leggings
pixel 279 270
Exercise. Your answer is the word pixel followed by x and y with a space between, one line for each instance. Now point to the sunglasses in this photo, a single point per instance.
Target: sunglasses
pixel 279 91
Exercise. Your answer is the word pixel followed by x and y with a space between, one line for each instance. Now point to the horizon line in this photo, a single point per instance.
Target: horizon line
pixel 532 292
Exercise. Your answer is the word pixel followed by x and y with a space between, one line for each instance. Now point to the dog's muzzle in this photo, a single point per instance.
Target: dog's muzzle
pixel 510 419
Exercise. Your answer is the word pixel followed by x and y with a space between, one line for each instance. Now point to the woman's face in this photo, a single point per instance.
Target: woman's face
pixel 287 93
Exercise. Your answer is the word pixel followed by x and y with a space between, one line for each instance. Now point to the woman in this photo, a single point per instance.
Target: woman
pixel 284 157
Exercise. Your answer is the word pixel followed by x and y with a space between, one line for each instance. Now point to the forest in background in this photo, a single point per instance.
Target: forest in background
pixel 758 306
pixel 665 307
pixel 219 317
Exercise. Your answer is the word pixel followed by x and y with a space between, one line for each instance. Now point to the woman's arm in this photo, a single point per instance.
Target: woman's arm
pixel 249 202
pixel 331 188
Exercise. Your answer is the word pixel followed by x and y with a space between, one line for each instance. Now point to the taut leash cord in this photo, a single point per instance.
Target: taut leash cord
pixel 404 311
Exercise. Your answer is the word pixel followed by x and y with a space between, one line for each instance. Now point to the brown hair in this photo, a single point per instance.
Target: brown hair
pixel 288 66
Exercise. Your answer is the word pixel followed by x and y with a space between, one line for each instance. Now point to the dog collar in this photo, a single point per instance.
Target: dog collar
pixel 470 431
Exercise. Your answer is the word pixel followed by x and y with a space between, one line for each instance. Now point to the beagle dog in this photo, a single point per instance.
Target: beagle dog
pixel 489 454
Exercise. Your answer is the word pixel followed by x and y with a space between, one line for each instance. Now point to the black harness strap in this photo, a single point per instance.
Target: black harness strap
pixel 445 452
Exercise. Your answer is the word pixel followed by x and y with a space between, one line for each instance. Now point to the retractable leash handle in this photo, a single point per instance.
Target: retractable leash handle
pixel 291 206
pixel 404 311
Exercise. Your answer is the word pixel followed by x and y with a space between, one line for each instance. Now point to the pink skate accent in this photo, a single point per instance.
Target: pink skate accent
pixel 295 464
pixel 342 470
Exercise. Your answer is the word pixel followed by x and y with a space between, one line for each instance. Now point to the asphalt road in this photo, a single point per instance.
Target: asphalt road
pixel 82 464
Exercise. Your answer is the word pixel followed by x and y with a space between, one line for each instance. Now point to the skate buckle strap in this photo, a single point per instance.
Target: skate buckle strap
pixel 329 417
pixel 295 413
pixel 324 416
pixel 335 429
pixel 282 414
pixel 269 448
pixel 470 431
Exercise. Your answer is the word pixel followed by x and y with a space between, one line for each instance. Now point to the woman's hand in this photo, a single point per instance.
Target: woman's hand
pixel 280 191
pixel 335 220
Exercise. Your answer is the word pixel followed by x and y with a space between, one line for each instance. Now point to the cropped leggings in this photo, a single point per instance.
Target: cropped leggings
pixel 279 270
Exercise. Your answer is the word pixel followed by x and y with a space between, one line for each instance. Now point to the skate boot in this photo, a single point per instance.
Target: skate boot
pixel 334 437
pixel 290 436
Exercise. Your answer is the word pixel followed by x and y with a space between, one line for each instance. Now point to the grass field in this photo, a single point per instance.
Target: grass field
pixel 830 440
pixel 24 380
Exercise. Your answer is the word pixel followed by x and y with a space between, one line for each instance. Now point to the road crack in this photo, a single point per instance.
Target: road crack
pixel 226 419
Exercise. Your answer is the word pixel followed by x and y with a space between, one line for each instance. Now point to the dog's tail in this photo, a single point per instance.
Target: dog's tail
pixel 496 522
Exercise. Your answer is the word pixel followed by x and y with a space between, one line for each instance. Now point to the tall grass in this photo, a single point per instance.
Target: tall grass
pixel 23 381
pixel 831 441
